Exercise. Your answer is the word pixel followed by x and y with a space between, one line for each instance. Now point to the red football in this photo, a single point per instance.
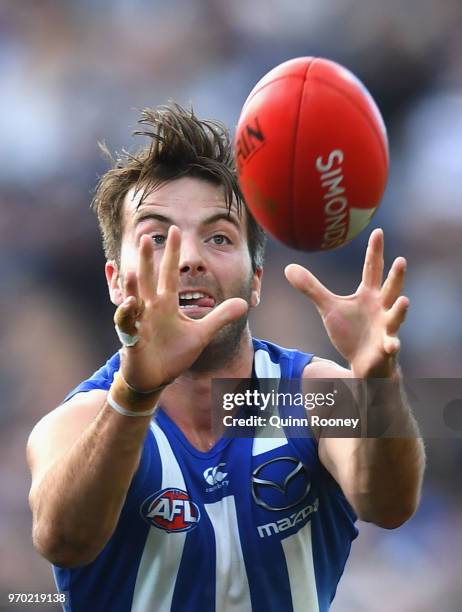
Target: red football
pixel 312 154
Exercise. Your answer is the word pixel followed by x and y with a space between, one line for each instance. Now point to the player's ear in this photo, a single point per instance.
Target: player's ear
pixel 256 288
pixel 114 282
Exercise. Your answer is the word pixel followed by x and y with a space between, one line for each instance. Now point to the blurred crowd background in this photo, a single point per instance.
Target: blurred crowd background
pixel 77 71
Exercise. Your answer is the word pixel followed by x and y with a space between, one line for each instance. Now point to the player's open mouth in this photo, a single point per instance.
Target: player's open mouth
pixel 195 299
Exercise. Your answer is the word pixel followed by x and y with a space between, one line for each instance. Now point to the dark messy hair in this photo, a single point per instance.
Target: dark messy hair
pixel 180 145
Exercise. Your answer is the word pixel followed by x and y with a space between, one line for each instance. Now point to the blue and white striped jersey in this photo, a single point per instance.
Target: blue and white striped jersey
pixel 254 524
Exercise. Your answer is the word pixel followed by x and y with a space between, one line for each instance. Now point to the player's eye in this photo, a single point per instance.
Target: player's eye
pixel 220 239
pixel 159 239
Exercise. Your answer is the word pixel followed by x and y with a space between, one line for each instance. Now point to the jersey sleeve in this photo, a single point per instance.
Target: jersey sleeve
pixel 101 379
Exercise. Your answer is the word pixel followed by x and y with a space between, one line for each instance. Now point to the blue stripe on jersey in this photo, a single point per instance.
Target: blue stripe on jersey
pixel 332 534
pixel 195 590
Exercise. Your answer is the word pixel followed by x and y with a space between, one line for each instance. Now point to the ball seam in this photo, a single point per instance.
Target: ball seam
pixel 293 211
pixel 285 76
pixel 378 135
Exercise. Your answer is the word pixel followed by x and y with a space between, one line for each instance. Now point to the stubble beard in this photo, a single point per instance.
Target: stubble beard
pixel 226 344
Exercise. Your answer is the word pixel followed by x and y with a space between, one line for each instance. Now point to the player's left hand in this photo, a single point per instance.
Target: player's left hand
pixel 363 326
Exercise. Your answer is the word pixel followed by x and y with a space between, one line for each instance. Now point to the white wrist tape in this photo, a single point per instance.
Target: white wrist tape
pixel 130 413
pixel 127 339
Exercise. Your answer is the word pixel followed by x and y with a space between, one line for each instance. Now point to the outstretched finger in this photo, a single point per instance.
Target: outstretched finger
pixel 394 282
pixel 396 315
pixel 373 261
pixel 168 273
pixel 147 285
pixel 300 278
pixel 130 287
pixel 228 311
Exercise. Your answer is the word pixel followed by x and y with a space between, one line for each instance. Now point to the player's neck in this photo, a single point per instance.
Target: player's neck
pixel 188 401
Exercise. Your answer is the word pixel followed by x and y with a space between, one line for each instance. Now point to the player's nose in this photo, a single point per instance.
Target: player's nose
pixel 191 257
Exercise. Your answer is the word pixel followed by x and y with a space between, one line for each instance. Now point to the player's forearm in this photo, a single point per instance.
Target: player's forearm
pixel 387 475
pixel 386 472
pixel 76 505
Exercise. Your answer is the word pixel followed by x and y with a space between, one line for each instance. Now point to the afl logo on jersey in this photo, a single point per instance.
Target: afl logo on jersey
pixel 171 510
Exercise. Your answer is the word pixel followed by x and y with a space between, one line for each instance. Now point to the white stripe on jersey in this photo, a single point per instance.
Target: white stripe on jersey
pixel 298 552
pixel 264 367
pixel 232 592
pixel 263 445
pixel 162 552
pixel 265 439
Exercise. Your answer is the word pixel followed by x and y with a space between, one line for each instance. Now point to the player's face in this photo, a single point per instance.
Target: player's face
pixel 214 258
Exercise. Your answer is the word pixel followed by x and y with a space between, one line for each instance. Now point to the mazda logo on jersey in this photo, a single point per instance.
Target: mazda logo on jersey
pixel 171 510
pixel 280 483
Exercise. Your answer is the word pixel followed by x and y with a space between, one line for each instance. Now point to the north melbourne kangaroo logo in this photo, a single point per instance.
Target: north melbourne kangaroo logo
pixel 214 475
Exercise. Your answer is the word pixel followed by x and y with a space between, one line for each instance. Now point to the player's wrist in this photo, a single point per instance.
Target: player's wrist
pixel 142 393
pixel 124 398
pixel 389 369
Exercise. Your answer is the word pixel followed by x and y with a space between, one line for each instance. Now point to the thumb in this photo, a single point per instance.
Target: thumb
pixel 126 315
pixel 300 278
pixel 228 311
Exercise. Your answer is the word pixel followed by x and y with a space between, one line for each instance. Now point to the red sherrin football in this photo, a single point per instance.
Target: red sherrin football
pixel 312 154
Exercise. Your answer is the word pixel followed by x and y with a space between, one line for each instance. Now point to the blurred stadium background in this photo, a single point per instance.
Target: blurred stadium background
pixel 74 72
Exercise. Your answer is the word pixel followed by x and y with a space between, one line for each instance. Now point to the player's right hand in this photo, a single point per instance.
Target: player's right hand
pixel 169 341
